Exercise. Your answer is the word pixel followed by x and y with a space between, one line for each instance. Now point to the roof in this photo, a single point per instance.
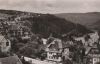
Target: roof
pixel 2 38
pixel 55 45
pixel 87 50
pixel 10 60
pixel 36 61
pixel 92 50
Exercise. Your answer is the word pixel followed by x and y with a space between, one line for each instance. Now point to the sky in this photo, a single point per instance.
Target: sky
pixel 52 6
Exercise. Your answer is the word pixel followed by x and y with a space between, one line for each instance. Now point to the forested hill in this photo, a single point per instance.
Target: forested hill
pixel 86 19
pixel 42 24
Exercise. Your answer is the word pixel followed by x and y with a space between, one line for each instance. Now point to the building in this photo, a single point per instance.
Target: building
pixel 57 51
pixel 94 38
pixel 19 31
pixel 5 44
pixel 54 50
pixel 10 60
pixel 44 41
pixel 88 40
pixel 93 55
pixel 65 53
pixel 81 40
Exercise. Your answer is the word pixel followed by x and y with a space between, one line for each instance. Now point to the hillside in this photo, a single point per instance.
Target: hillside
pixel 42 24
pixel 36 24
pixel 86 19
pixel 96 25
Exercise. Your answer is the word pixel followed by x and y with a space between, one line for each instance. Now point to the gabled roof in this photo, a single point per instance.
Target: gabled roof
pixel 92 50
pixel 55 44
pixel 2 38
pixel 10 60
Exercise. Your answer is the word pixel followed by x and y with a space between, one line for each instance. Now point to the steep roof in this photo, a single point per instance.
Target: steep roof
pixel 2 38
pixel 87 50
pixel 92 50
pixel 55 44
pixel 10 60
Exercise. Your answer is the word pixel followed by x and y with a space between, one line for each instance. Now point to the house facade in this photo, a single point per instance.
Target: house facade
pixel 5 44
pixel 54 50
pixel 10 60
pixel 65 53
pixel 93 56
pixel 57 51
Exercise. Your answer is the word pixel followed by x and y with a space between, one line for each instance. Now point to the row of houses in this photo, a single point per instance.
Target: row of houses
pixel 14 29
pixel 59 50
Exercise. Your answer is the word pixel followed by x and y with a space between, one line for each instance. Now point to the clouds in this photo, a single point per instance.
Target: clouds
pixel 51 6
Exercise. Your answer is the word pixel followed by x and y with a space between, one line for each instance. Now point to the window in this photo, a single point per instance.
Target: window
pixel 52 57
pixel 50 52
pixel 7 43
pixel 57 57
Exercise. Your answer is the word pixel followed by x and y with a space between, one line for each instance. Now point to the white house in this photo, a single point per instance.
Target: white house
pixel 94 37
pixel 57 50
pixel 5 44
pixel 65 53
pixel 44 41
pixel 54 50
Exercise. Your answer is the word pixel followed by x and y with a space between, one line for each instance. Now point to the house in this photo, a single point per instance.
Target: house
pixel 10 60
pixel 14 30
pixel 5 44
pixel 54 50
pixel 94 38
pixel 44 41
pixel 81 39
pixel 57 51
pixel 88 39
pixel 93 55
pixel 65 53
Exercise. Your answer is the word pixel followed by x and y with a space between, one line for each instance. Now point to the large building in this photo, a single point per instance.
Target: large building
pixel 57 51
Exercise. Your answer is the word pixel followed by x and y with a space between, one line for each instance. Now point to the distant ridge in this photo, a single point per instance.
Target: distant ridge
pixel 86 19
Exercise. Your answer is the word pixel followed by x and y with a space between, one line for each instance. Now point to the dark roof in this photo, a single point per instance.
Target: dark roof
pixel 92 50
pixel 57 44
pixel 10 60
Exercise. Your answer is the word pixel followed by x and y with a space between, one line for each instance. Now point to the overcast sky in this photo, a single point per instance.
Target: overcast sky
pixel 52 6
